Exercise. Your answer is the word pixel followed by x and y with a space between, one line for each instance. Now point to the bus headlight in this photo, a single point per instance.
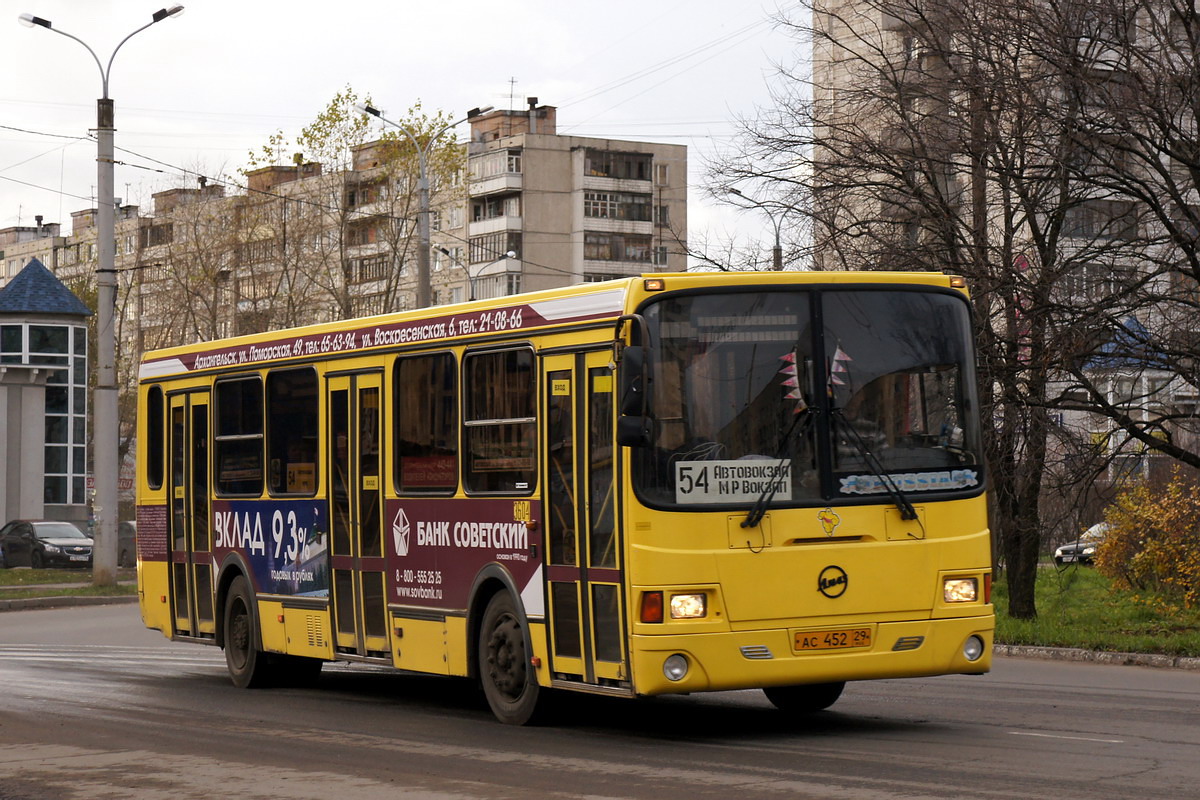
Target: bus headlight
pixel 688 606
pixel 960 590
pixel 972 648
pixel 675 667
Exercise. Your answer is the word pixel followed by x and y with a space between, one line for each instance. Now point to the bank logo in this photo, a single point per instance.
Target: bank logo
pixel 400 532
pixel 832 582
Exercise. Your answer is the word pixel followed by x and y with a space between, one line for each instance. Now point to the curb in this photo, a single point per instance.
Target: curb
pixel 1097 656
pixel 24 603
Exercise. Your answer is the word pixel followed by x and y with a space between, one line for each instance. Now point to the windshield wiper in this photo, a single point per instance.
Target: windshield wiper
pixel 774 478
pixel 906 508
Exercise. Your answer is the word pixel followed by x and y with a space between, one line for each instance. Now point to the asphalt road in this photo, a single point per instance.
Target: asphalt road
pixel 92 705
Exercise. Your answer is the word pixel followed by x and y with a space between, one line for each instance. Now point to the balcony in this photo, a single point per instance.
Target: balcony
pixel 496 184
pixel 494 225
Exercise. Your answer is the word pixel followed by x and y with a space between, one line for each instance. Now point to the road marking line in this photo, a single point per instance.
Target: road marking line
pixel 1076 738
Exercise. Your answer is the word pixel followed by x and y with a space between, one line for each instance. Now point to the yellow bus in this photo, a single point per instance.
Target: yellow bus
pixel 663 484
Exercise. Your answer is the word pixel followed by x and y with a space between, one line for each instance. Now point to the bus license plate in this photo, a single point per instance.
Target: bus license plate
pixel 840 639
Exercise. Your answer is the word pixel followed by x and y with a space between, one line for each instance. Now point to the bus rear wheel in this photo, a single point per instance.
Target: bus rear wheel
pixel 806 698
pixel 248 666
pixel 508 682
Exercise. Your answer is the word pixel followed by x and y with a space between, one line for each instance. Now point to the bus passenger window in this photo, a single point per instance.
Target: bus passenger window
pixel 239 436
pixel 155 437
pixel 499 422
pixel 292 414
pixel 426 423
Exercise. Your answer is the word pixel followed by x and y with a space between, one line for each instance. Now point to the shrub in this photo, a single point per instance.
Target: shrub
pixel 1153 542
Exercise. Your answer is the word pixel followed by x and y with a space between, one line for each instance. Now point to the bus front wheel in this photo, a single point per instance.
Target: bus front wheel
pixel 508 682
pixel 806 698
pixel 248 666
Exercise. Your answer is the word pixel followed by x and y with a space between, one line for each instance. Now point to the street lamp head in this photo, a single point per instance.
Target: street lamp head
pixel 475 112
pixel 734 190
pixel 29 20
pixel 366 109
pixel 510 254
pixel 163 13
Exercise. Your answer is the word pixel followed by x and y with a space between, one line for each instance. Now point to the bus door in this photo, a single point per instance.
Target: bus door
pixel 583 554
pixel 190 522
pixel 354 419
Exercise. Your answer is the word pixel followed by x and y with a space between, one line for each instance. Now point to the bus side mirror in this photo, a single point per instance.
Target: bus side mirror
pixel 634 431
pixel 634 423
pixel 633 381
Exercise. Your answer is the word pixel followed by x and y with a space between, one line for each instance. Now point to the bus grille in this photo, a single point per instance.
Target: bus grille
pixel 908 643
pixel 757 652
pixel 316 631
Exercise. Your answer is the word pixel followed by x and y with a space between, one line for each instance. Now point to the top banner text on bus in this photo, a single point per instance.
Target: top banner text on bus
pixel 380 334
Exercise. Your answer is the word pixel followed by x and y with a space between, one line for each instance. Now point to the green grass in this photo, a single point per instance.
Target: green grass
pixel 1077 607
pixel 86 590
pixel 14 583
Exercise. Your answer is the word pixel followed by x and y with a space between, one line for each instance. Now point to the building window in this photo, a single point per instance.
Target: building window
pixel 491 246
pixel 662 174
pixel 493 207
pixel 369 268
pixel 662 216
pixel 616 247
pixel 1101 219
pixel 490 165
pixel 155 235
pixel 618 164
pixel 617 205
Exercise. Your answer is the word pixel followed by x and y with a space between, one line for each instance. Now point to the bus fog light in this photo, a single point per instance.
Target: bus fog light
pixel 960 590
pixel 973 648
pixel 675 667
pixel 688 606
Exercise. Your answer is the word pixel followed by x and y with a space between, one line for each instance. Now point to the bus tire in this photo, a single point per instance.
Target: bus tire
pixel 511 688
pixel 806 698
pixel 249 667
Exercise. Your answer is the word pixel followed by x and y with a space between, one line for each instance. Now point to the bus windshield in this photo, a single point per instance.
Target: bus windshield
pixel 808 396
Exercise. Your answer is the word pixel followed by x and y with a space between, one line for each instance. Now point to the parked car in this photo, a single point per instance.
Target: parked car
pixel 1083 549
pixel 127 544
pixel 44 543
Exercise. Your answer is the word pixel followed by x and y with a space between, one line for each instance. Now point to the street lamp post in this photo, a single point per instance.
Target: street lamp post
pixel 776 222
pixel 105 464
pixel 472 278
pixel 424 290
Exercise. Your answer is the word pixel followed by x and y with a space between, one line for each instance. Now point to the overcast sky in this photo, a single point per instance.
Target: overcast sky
pixel 200 90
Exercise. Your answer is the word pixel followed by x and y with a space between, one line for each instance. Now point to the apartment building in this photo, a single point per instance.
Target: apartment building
pixel 518 208
pixel 570 209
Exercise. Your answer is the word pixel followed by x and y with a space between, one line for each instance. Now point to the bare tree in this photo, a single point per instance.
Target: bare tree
pixel 1000 141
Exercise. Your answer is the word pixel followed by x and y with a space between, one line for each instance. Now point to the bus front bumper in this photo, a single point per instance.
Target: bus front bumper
pixel 768 657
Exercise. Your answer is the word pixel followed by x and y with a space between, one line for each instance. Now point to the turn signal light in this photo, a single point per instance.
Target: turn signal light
pixel 652 607
pixel 654 284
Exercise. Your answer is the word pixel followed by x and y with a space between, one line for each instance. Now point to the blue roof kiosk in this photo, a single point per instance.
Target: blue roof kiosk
pixel 43 394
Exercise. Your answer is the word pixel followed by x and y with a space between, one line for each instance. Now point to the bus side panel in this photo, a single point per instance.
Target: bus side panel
pixel 154 592
pixel 271 626
pixel 420 644
pixel 308 632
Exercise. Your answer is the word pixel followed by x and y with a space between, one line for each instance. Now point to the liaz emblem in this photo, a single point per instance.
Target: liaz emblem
pixel 832 581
